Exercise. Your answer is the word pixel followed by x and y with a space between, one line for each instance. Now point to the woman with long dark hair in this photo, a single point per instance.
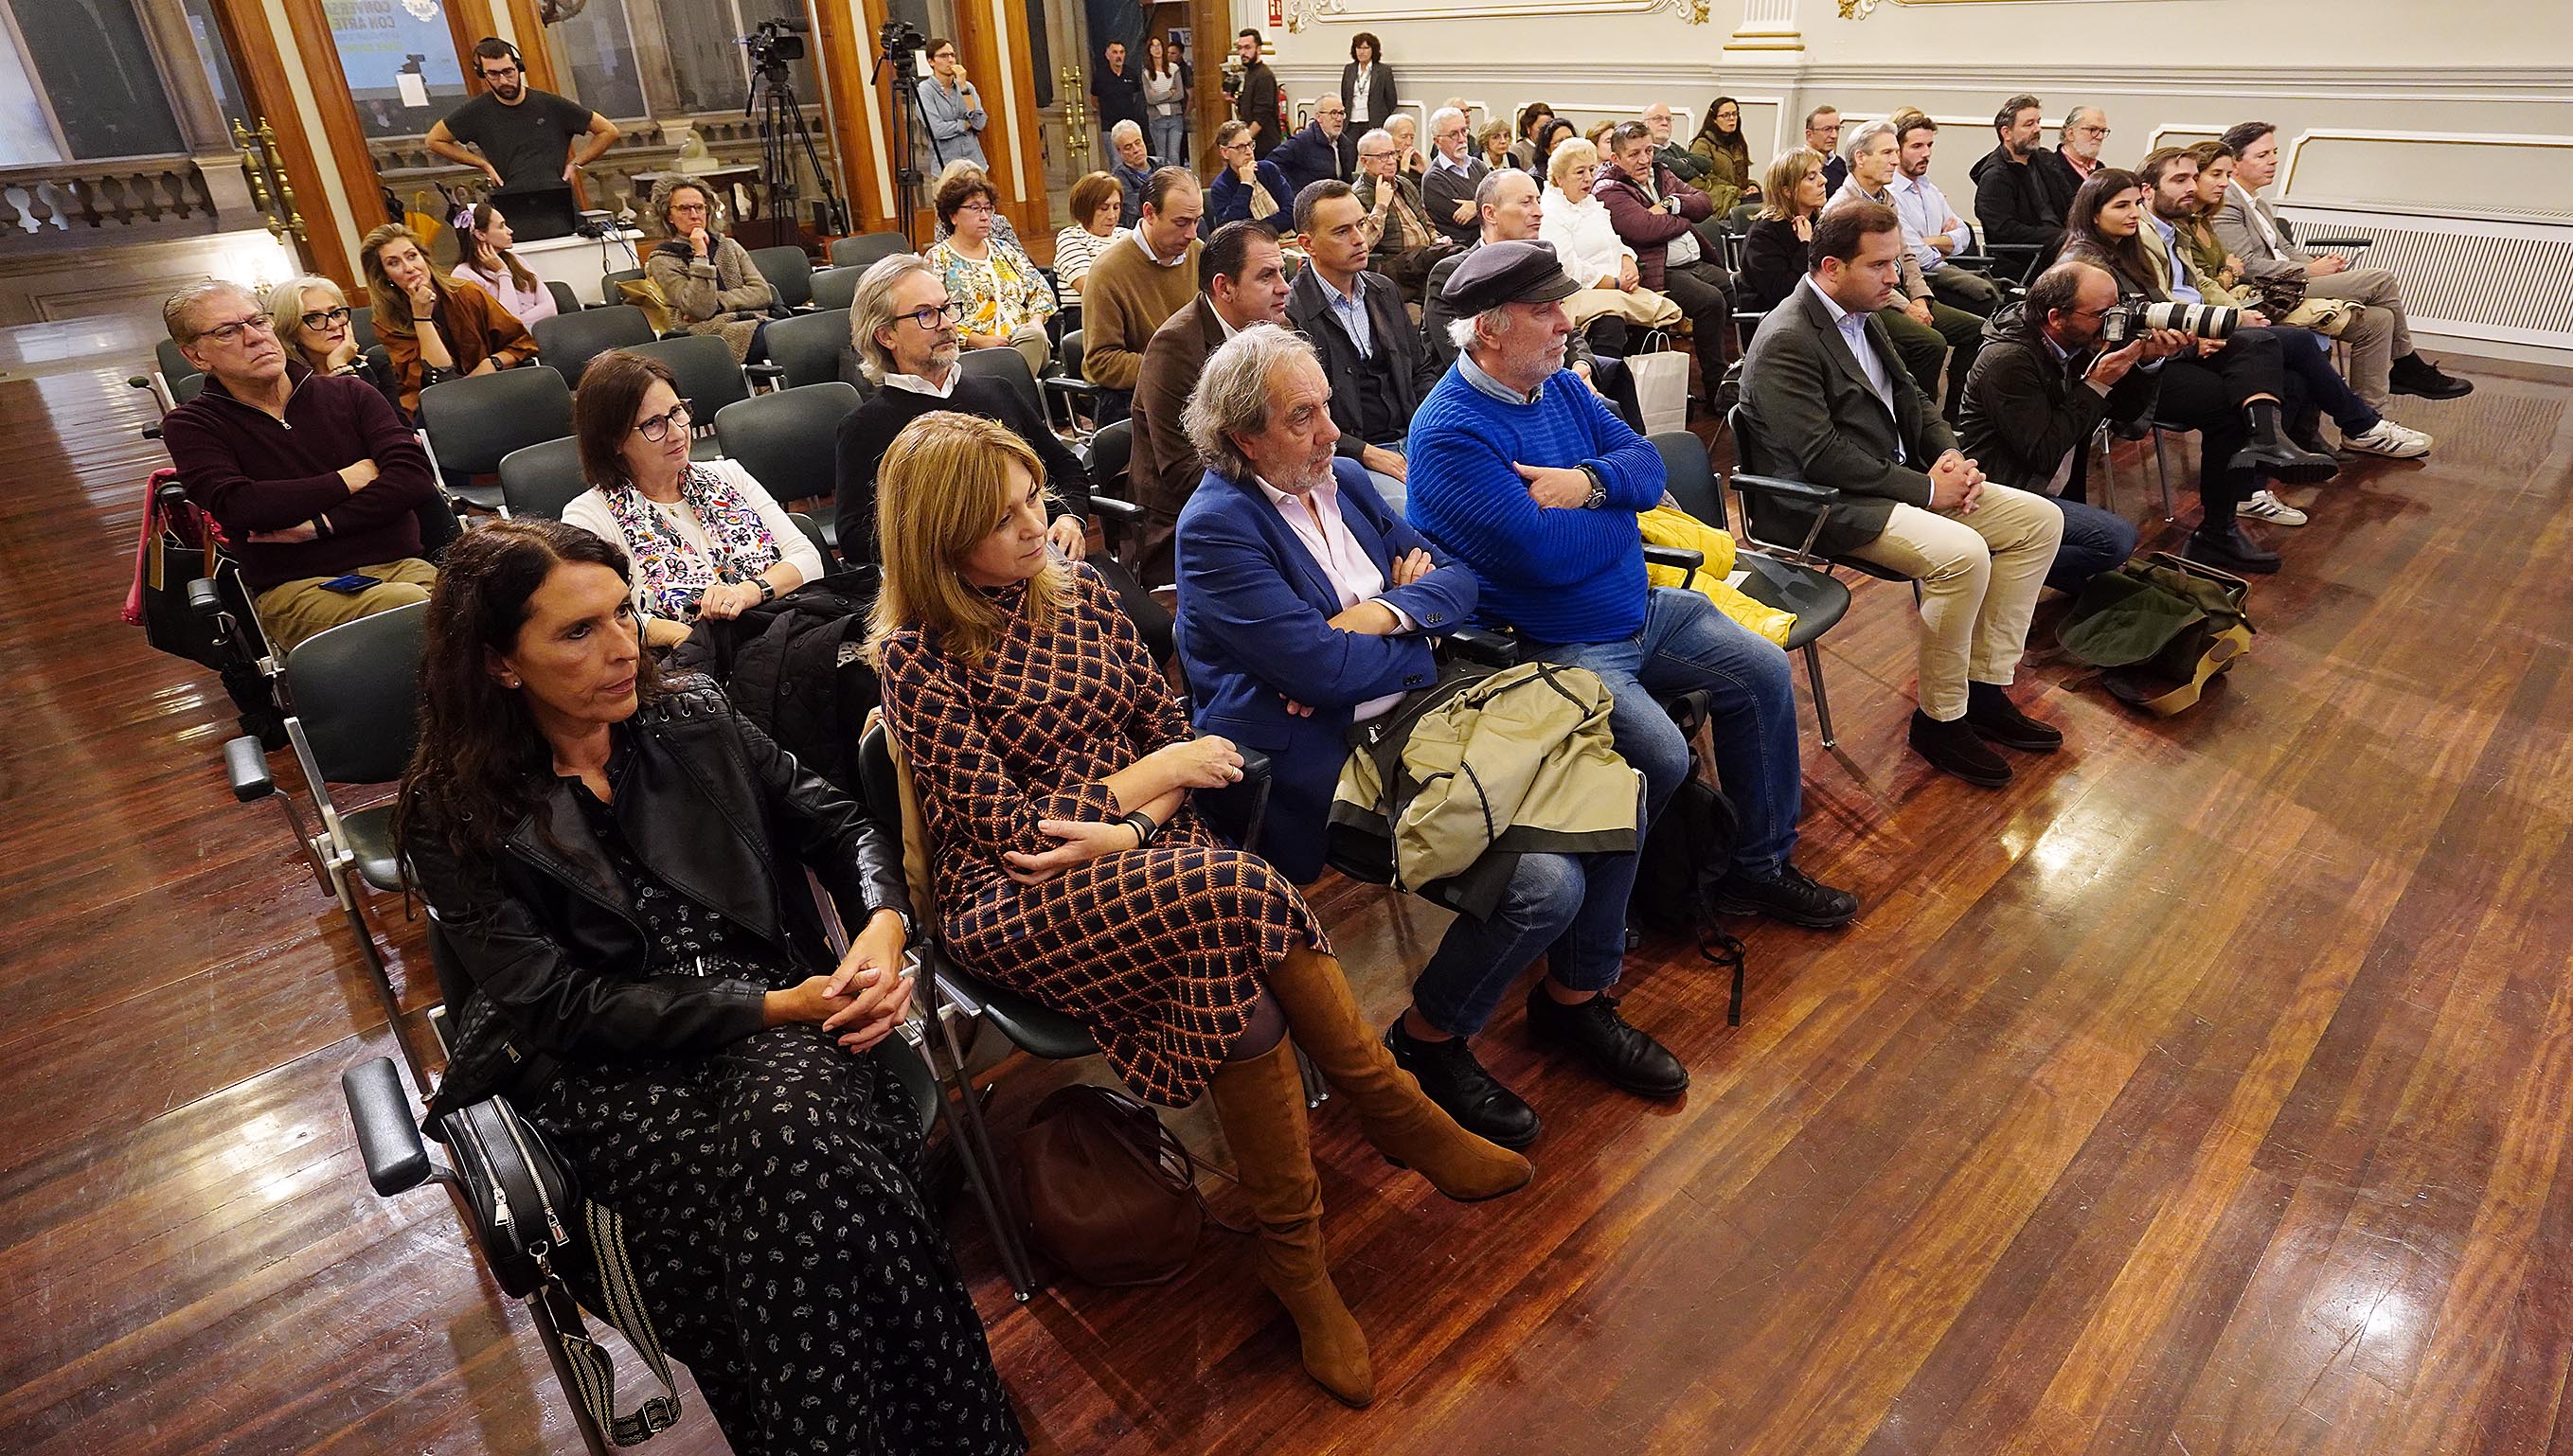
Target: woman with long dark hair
pixel 618 863
pixel 1166 102
pixel 2237 390
pixel 1054 768
pixel 433 326
pixel 488 261
pixel 1720 144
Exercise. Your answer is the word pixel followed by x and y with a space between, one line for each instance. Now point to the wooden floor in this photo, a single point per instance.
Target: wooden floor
pixel 2208 1091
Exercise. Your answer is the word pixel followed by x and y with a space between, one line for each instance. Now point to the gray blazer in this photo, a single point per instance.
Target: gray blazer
pixel 1816 418
pixel 2243 237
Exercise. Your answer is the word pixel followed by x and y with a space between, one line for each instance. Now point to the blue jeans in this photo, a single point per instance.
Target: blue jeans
pixel 1687 645
pixel 2094 540
pixel 1170 139
pixel 1573 903
pixel 2308 356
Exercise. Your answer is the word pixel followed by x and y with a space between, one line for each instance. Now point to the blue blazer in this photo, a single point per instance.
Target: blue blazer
pixel 1254 633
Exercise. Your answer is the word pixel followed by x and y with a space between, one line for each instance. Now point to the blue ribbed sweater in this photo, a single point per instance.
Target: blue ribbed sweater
pixel 1557 576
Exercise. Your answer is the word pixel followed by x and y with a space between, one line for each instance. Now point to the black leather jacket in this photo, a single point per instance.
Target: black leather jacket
pixel 546 932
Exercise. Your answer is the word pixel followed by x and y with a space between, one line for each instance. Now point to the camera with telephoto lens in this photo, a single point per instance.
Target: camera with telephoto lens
pixel 2133 321
pixel 773 43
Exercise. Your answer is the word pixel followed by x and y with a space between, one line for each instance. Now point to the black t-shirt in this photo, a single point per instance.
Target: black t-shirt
pixel 529 142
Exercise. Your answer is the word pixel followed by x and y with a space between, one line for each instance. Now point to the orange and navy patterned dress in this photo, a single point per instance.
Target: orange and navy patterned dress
pixel 1158 949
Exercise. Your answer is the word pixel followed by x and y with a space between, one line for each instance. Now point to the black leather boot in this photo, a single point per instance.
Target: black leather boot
pixel 2271 448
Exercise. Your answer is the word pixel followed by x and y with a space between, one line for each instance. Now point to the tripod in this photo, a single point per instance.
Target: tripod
pixel 782 128
pixel 906 118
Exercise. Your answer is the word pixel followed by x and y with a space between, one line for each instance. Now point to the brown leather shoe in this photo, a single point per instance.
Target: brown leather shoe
pixel 1397 1116
pixel 1262 1105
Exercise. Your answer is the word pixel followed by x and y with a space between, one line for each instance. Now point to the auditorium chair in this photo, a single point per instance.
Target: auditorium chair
pixel 472 422
pixel 787 441
pixel 538 482
pixel 806 349
pixel 567 1282
pixel 1819 599
pixel 789 273
pixel 1063 381
pixel 865 248
pixel 569 341
pixel 836 288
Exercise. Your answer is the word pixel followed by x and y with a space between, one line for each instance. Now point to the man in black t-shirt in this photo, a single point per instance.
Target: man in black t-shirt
pixel 530 140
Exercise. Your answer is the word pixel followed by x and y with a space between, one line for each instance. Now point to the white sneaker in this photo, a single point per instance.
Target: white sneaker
pixel 2391 440
pixel 2265 506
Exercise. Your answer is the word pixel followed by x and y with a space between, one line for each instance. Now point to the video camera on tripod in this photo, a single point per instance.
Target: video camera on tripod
pixel 785 133
pixel 773 43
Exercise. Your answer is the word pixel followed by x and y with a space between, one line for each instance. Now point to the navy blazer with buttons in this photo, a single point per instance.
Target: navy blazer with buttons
pixel 1254 633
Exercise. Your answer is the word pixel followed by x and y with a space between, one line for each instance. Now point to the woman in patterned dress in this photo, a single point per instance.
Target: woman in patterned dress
pixel 1054 766
pixel 618 862
pixel 1007 302
pixel 708 543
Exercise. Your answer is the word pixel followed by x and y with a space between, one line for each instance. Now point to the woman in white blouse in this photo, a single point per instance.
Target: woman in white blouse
pixel 707 541
pixel 1097 200
pixel 1587 245
pixel 488 261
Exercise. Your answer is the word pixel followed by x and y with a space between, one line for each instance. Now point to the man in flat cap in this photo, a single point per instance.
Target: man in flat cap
pixel 1529 477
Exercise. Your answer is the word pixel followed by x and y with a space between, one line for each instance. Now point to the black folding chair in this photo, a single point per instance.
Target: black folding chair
pixel 789 271
pixel 539 480
pixel 1063 381
pixel 569 341
pixel 473 423
pixel 835 287
pixel 807 347
pixel 708 379
pixel 867 248
pixel 788 442
pixel 353 692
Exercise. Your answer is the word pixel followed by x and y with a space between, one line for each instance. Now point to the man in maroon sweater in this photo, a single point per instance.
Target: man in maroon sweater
pixel 1657 214
pixel 313 477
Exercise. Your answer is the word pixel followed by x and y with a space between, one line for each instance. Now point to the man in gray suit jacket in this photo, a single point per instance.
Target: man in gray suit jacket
pixel 1827 400
pixel 2383 361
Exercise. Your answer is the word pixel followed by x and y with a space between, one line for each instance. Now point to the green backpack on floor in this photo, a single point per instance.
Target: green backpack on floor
pixel 2162 625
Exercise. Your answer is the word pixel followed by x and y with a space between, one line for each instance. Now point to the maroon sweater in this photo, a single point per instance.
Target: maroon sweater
pixel 257 474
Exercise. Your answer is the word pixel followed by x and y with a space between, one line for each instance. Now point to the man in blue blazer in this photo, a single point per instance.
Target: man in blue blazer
pixel 1305 606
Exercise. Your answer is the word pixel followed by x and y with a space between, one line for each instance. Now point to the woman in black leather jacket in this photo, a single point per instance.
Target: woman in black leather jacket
pixel 617 862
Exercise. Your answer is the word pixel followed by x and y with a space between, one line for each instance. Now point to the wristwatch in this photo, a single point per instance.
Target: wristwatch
pixel 1598 489
pixel 767 588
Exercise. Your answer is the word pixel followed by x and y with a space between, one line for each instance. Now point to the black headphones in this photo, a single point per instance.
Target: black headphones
pixel 492 40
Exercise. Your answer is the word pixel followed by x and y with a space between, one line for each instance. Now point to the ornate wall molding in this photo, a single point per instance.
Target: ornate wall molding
pixel 1300 13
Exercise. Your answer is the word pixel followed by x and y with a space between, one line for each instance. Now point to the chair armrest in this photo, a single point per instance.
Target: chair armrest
pixel 1791 492
pixel 397 1159
pixel 1257 777
pixel 205 602
pixel 1483 645
pixel 1067 385
pixel 765 370
pixel 1116 511
pixel 246 766
pixel 2346 240
pixel 1688 561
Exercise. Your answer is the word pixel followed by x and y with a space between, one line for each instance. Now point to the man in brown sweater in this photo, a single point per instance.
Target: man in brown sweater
pixel 313 477
pixel 1137 284
pixel 1244 276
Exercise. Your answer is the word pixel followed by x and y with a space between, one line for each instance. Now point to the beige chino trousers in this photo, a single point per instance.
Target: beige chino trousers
pixel 1978 573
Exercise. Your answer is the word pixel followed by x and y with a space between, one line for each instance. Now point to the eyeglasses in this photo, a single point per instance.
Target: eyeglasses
pixel 2091 131
pixel 695 207
pixel 928 319
pixel 327 318
pixel 656 428
pixel 230 334
pixel 498 73
pixel 1375 156
pixel 984 208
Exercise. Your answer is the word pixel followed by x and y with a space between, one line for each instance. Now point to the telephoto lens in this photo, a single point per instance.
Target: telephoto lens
pixel 2206 320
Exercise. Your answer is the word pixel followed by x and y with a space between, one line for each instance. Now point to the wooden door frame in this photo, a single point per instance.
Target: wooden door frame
pixel 257 59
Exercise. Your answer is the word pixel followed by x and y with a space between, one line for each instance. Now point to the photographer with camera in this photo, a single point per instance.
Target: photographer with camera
pixel 2234 388
pixel 1253 88
pixel 2040 385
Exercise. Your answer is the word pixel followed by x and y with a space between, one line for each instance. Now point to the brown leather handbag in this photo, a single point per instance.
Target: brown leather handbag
pixel 1111 1194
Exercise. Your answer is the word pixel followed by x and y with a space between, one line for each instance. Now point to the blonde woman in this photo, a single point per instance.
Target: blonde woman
pixel 1586 244
pixel 433 326
pixel 708 279
pixel 1774 251
pixel 1054 767
pixel 311 319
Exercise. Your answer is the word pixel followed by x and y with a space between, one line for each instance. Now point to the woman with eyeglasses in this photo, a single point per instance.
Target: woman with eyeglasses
pixel 311 319
pixel 1719 143
pixel 433 327
pixel 488 261
pixel 708 543
pixel 619 862
pixel 708 279
pixel 1006 300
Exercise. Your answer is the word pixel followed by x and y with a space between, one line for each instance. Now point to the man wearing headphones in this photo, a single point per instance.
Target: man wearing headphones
pixel 531 141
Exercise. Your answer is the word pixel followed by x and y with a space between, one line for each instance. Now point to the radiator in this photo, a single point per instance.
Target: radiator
pixel 2466 277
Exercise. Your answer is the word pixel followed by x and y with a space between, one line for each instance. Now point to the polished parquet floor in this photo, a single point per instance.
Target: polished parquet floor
pixel 2211 1089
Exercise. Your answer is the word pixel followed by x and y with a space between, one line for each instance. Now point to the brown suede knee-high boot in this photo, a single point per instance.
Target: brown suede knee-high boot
pixel 1324 1019
pixel 1262 1105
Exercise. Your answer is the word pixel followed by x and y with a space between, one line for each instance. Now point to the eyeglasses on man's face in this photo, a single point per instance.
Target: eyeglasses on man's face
pixel 232 333
pixel 657 428
pixel 499 73
pixel 325 318
pixel 930 316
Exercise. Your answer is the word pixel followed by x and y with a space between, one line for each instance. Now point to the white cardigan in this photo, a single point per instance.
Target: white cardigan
pixel 1586 241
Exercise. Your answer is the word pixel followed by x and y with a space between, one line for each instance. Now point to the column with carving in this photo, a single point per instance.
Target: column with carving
pixel 1767 25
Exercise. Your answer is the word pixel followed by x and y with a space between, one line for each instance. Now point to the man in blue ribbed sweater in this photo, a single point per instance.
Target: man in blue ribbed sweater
pixel 1527 477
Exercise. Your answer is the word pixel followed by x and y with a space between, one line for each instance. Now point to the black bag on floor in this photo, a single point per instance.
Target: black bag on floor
pixel 1689 850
